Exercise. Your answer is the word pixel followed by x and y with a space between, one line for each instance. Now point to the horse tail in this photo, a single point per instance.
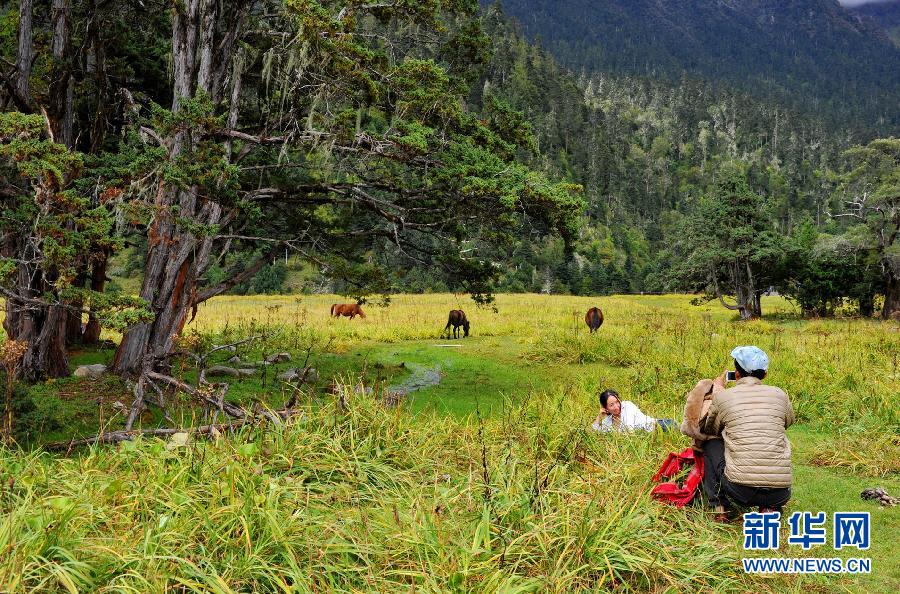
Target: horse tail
pixel 333 305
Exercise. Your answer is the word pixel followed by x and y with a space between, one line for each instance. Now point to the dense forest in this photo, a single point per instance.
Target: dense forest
pixel 404 147
pixel 884 14
pixel 648 154
pixel 811 54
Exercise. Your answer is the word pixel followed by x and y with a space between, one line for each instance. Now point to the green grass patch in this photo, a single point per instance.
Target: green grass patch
pixel 424 497
pixel 835 489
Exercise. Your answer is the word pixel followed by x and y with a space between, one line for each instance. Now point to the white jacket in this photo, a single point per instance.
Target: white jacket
pixel 630 418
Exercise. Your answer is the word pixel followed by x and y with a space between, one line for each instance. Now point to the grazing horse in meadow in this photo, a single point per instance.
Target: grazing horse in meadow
pixel 594 319
pixel 457 318
pixel 350 310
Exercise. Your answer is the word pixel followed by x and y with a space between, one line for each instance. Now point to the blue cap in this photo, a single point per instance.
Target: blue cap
pixel 751 358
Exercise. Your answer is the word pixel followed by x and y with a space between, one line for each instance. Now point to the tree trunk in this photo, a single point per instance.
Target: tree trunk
pixel 757 304
pixel 175 260
pixel 25 53
pixel 73 321
pixel 99 259
pixel 73 326
pixel 891 309
pixel 27 319
pixel 43 327
pixel 46 355
pixel 91 333
pixel 177 257
pixel 101 83
pixel 752 303
pixel 867 306
pixel 62 85
pixel 749 302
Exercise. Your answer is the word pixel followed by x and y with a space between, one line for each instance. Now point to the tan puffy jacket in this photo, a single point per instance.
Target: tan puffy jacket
pixel 752 417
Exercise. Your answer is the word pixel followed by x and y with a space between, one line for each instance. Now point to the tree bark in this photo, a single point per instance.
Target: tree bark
pixel 25 53
pixel 46 355
pixel 43 327
pixel 752 301
pixel 62 84
pixel 177 257
pixel 101 82
pixel 174 261
pixel 748 300
pixel 91 333
pixel 61 113
pixel 891 308
pixel 867 306
pixel 74 332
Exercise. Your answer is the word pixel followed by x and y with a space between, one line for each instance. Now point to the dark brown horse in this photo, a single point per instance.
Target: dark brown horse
pixel 350 310
pixel 457 318
pixel 594 319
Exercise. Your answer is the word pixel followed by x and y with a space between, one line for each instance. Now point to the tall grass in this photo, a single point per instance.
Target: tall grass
pixel 370 499
pixel 840 372
pixel 362 500
pixel 873 453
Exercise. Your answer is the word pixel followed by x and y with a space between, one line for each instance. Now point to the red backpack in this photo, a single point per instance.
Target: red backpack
pixel 672 492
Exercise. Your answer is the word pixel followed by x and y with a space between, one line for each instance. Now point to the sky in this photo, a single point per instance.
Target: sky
pixel 858 2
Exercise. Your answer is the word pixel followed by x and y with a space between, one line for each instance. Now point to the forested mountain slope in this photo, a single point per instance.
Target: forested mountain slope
pixel 651 153
pixel 885 14
pixel 645 151
pixel 809 53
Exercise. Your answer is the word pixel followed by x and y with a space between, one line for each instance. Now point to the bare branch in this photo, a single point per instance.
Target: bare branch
pixel 244 275
pixel 232 409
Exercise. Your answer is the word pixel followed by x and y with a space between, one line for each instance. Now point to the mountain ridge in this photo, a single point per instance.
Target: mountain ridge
pixel 884 15
pixel 811 53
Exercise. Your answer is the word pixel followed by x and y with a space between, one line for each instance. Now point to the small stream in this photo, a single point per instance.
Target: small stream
pixel 421 377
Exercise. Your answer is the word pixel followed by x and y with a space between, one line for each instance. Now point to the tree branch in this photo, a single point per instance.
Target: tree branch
pixel 232 409
pixel 722 298
pixel 236 279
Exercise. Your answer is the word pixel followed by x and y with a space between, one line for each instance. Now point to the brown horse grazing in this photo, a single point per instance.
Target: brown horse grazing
pixel 347 310
pixel 457 318
pixel 594 319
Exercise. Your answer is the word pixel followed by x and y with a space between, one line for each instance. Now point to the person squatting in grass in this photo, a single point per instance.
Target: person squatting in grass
pixel 624 415
pixel 750 465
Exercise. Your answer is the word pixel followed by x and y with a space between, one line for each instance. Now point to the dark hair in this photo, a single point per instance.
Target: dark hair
pixel 604 397
pixel 757 373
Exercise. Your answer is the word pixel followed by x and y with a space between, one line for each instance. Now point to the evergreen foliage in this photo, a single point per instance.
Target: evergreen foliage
pixel 419 147
pixel 810 54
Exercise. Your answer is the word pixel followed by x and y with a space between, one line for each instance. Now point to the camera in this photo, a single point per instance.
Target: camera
pixel 730 376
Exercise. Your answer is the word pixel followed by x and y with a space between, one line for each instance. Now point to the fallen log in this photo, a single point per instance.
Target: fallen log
pixel 221 404
pixel 128 435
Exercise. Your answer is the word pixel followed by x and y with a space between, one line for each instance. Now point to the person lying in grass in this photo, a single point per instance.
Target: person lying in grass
pixel 624 415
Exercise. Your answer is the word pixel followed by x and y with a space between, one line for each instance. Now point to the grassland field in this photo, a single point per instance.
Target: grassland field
pixel 488 481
